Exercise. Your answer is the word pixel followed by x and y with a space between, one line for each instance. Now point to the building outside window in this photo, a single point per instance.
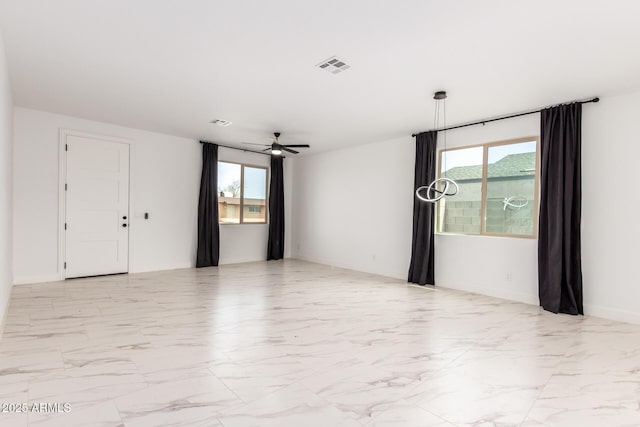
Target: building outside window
pixel 242 193
pixel 498 192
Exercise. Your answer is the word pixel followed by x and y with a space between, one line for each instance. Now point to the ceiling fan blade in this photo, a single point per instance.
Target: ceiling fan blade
pixel 253 143
pixel 267 149
pixel 297 145
pixel 291 151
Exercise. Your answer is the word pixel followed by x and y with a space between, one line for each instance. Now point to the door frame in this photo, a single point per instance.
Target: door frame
pixel 62 194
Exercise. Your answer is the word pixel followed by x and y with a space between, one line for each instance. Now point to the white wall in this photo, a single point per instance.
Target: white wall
pixel 610 205
pixel 6 186
pixel 353 207
pixel 165 173
pixel 165 181
pixel 353 210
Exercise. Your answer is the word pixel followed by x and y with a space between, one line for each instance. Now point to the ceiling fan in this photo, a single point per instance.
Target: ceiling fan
pixel 277 148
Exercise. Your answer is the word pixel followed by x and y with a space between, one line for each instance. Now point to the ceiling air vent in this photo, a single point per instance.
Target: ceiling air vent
pixel 333 65
pixel 220 122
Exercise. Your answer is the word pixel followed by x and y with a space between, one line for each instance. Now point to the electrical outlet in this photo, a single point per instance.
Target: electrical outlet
pixel 509 276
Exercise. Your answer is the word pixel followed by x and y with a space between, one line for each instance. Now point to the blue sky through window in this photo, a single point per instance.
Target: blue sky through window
pixel 228 173
pixel 473 156
pixel 255 179
pixel 255 183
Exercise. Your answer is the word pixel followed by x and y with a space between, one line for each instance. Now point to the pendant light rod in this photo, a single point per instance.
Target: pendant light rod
pixel 433 193
pixel 495 119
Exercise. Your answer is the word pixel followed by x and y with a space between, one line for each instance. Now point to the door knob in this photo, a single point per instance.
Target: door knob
pixel 124 225
pixel 124 217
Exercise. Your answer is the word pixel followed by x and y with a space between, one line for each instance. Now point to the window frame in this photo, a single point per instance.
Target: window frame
pixel 266 193
pixel 483 202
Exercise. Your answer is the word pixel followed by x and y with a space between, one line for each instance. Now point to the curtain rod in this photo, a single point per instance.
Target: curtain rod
pixel 483 122
pixel 236 148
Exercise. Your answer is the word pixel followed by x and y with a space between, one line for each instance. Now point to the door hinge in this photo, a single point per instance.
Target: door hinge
pixel 66 147
pixel 65 225
pixel 65 186
pixel 65 265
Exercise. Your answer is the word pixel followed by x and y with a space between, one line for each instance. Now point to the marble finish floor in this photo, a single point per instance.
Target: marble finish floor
pixel 300 344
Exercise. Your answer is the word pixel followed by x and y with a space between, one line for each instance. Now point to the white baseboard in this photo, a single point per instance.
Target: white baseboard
pixel 612 313
pixel 5 312
pixel 162 268
pixel 590 310
pixel 495 293
pixel 347 266
pixel 492 292
pixel 240 260
pixel 3 321
pixel 28 280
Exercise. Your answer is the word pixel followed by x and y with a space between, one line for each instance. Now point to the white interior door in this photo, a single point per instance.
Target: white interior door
pixel 97 207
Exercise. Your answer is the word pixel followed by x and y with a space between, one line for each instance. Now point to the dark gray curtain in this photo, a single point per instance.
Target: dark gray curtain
pixel 421 269
pixel 275 247
pixel 208 227
pixel 559 256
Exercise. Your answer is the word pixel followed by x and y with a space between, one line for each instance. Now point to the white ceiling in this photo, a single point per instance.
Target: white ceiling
pixel 172 66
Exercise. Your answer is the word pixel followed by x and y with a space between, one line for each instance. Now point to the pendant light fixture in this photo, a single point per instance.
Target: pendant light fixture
pixel 440 187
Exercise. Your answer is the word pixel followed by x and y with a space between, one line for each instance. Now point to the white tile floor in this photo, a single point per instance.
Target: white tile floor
pixel 299 344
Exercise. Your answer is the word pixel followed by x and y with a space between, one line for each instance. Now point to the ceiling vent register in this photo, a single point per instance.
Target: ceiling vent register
pixel 220 122
pixel 333 65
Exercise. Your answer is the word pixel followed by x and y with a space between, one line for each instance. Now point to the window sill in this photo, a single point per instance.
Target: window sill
pixel 501 236
pixel 244 223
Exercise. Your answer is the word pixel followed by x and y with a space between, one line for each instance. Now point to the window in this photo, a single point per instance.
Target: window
pixel 498 192
pixel 242 193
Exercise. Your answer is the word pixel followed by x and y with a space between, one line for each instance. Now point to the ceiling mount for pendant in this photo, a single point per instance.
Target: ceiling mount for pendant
pixel 441 94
